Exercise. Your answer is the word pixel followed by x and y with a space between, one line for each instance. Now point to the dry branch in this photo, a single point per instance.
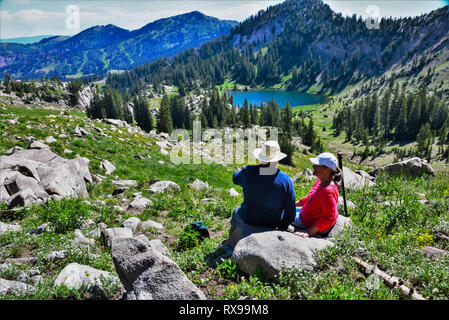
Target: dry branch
pixel 441 236
pixel 391 281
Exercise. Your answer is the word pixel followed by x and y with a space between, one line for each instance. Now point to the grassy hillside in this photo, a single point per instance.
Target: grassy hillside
pixel 390 236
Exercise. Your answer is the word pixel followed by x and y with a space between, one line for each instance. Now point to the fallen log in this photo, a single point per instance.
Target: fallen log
pixel 391 281
pixel 433 252
pixel 441 236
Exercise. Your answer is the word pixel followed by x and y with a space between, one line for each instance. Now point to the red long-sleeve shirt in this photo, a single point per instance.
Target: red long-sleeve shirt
pixel 319 207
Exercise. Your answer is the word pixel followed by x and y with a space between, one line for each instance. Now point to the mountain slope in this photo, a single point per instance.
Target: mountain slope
pixel 102 48
pixel 394 221
pixel 304 45
pixel 25 40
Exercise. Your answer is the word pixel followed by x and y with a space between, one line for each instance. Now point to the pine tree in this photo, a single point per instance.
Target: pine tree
pixel 287 117
pixel 326 76
pixel 385 114
pixel 244 115
pixel 164 120
pixel 401 129
pixel 143 114
pixel 443 133
pixel 113 104
pixel 424 141
pixel 182 90
pixel 310 136
pixel 96 109
pixel 253 115
pixel 74 88
pixel 287 132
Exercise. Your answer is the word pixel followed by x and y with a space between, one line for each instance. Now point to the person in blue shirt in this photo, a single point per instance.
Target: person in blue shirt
pixel 268 198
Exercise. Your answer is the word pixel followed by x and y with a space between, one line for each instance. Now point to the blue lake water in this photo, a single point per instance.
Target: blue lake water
pixel 281 97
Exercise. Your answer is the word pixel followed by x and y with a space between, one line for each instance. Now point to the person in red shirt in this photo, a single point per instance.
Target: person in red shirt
pixel 317 213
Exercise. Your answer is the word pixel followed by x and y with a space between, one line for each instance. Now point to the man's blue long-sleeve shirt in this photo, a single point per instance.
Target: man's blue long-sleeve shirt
pixel 266 197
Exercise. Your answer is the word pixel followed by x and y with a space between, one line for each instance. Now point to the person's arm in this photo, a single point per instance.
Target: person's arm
pixel 237 176
pixel 289 207
pixel 311 231
pixel 303 201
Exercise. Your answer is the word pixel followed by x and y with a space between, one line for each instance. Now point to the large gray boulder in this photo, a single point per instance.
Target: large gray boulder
pixel 414 167
pixel 354 181
pixel 131 223
pixel 148 274
pixel 272 251
pixel 107 166
pixel 164 186
pixel 150 224
pixel 75 275
pixel 38 174
pixel 22 198
pixel 342 223
pixel 109 234
pixel 14 287
pixel 198 185
pixel 140 203
pixel 4 228
pixel 125 183
pixel 253 247
pixel 15 182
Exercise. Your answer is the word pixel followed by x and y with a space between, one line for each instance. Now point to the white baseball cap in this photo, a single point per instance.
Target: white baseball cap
pixel 325 159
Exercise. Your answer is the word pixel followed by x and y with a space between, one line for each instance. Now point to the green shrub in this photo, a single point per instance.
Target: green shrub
pixel 255 288
pixel 227 269
pixel 64 215
pixel 188 239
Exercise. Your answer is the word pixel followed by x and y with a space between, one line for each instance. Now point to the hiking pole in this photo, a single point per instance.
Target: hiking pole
pixel 340 164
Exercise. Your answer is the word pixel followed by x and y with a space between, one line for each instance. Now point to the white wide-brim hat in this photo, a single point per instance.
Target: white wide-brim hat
pixel 270 152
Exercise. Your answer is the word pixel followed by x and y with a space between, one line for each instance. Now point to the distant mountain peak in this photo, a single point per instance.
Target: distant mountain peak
pixel 100 48
pixel 195 13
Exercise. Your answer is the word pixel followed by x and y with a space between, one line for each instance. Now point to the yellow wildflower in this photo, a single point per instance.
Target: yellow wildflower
pixel 379 234
pixel 425 240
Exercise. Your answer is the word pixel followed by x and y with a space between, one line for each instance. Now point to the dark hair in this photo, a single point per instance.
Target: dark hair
pixel 337 175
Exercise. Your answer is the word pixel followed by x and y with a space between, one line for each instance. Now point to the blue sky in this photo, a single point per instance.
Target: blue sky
pixel 25 18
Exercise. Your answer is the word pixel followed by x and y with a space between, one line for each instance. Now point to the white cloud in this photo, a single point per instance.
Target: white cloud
pixel 40 17
pixel 30 23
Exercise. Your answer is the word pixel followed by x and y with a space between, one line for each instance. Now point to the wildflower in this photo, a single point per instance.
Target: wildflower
pixel 425 240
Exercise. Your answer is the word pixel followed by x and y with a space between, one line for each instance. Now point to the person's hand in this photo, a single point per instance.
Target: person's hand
pixel 302 234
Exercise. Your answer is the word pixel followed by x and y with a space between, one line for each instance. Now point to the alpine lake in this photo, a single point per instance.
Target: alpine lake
pixel 257 97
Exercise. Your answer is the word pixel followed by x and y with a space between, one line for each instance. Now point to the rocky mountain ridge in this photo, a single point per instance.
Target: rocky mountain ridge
pixel 100 49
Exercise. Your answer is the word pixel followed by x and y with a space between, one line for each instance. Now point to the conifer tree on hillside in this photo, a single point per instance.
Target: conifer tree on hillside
pixel 142 113
pixel 113 104
pixel 127 114
pixel 164 120
pixel 96 109
pixel 254 115
pixel 244 115
pixel 310 135
pixel 180 113
pixel 74 88
pixel 424 142
pixel 287 134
